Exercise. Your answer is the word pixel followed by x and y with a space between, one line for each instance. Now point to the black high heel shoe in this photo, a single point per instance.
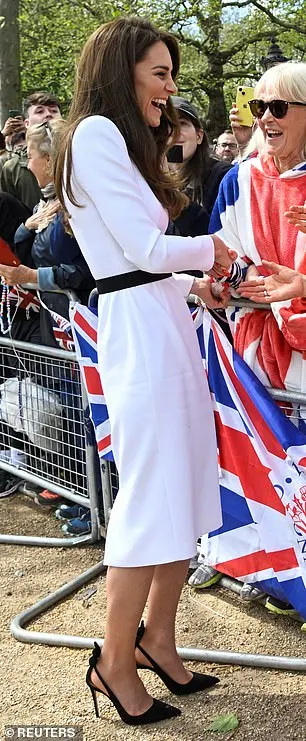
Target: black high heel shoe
pixel 197 682
pixel 158 710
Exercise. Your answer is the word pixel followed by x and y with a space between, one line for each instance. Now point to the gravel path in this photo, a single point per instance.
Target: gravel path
pixel 45 685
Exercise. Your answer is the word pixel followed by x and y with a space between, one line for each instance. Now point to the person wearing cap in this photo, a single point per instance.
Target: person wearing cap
pixel 201 171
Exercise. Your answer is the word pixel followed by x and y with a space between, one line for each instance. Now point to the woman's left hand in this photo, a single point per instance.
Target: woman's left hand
pixel 283 284
pixel 17 275
pixel 202 287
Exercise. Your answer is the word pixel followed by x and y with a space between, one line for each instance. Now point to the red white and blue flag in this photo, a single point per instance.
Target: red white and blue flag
pixel 61 328
pixel 262 459
pixel 84 324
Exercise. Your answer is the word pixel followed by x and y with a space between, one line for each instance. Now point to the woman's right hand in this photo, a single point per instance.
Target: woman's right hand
pixel 297 216
pixel 43 216
pixel 224 258
pixel 241 133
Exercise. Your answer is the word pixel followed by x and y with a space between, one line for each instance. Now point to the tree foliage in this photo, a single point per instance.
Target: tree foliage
pixel 222 42
pixel 9 64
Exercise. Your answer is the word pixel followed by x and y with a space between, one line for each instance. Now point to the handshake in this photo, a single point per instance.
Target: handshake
pixel 224 258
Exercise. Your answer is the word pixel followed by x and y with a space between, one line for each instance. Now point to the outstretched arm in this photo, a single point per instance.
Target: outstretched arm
pixel 283 284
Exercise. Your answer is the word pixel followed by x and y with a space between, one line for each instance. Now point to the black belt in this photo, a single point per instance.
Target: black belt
pixel 128 280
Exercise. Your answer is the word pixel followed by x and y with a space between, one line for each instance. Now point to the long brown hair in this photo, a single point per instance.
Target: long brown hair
pixel 105 86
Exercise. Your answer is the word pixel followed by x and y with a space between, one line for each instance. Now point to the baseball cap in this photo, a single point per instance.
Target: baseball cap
pixel 183 106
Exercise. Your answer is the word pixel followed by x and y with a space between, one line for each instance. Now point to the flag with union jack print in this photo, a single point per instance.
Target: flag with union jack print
pixel 61 328
pixel 262 460
pixel 84 324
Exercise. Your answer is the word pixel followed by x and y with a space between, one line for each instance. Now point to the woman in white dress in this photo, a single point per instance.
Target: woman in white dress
pixel 111 180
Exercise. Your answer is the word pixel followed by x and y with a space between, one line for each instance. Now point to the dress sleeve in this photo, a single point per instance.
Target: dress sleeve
pixel 103 171
pixel 184 283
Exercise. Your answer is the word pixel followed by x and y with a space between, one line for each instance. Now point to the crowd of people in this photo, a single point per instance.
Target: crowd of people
pixel 97 201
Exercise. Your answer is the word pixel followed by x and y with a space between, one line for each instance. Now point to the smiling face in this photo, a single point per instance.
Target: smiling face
pixel 153 82
pixel 284 137
pixel 189 137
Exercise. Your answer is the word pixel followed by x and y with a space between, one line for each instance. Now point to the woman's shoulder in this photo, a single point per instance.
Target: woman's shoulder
pixel 97 127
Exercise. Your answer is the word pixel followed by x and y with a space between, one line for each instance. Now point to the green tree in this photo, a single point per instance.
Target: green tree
pixel 222 42
pixel 10 93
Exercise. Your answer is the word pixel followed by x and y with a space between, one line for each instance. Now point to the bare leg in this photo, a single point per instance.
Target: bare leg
pixel 159 636
pixel 127 591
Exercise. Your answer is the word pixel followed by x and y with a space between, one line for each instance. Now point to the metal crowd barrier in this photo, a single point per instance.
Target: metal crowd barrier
pixel 55 434
pixel 110 488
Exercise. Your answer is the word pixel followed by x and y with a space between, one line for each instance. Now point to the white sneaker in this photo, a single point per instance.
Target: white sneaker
pixel 249 593
pixel 204 576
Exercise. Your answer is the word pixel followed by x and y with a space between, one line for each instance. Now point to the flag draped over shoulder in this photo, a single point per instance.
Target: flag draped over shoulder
pixel 262 459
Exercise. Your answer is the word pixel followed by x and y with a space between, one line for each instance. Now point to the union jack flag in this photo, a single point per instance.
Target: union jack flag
pixel 24 299
pixel 84 324
pixel 262 460
pixel 62 331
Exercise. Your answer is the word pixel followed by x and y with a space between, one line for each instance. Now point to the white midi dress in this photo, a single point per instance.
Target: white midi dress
pixel 160 411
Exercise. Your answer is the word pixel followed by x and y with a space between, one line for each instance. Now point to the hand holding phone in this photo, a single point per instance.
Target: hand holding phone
pixel 13 113
pixel 244 94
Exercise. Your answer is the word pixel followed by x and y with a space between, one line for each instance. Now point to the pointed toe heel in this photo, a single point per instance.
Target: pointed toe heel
pixel 197 683
pixel 157 712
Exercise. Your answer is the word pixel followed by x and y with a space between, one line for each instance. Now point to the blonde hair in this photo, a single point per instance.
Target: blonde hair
pixel 256 143
pixel 286 81
pixel 40 137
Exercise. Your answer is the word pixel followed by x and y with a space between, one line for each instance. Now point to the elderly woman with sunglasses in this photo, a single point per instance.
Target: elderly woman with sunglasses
pixel 259 213
pixel 250 216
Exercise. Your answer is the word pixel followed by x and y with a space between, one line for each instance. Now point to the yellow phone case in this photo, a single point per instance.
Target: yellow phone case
pixel 244 94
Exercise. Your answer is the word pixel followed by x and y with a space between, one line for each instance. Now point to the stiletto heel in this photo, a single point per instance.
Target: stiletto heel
pixel 197 682
pixel 157 712
pixel 95 700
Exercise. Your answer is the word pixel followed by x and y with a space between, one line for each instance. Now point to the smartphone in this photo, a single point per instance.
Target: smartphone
pixel 175 154
pixel 14 113
pixel 244 94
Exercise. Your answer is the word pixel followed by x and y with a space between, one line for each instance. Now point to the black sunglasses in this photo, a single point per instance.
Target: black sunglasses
pixel 278 108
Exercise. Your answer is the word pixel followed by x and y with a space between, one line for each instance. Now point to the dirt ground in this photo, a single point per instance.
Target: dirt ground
pixel 44 685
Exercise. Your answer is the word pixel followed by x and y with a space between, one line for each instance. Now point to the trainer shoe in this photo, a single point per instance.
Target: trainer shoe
pixel 193 563
pixel 48 497
pixel 279 608
pixel 78 526
pixel 8 483
pixel 248 593
pixel 204 576
pixel 70 512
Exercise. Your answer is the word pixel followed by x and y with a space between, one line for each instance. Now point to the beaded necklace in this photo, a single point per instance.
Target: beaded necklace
pixel 5 309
